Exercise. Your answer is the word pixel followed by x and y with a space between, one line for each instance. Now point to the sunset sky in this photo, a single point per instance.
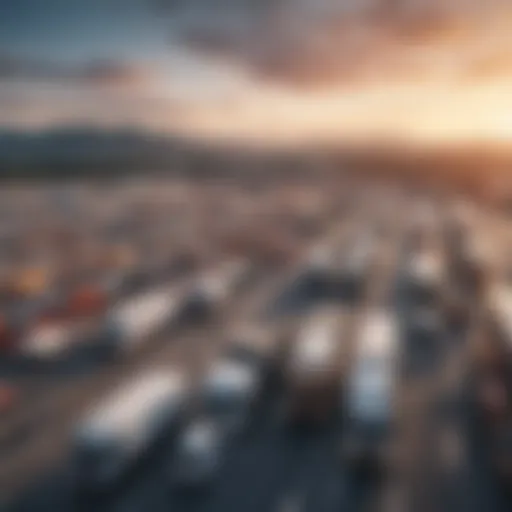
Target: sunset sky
pixel 272 70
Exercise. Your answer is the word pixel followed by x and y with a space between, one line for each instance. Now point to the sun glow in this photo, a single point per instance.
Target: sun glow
pixel 418 113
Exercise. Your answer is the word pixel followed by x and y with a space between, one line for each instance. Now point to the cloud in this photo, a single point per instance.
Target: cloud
pixel 117 74
pixel 321 42
pixel 34 106
pixel 20 68
pixel 34 92
pixel 97 73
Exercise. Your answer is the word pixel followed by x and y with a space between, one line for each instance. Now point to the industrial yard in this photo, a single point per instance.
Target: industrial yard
pixel 204 344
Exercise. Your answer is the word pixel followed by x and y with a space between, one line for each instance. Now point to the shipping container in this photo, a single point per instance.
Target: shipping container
pixel 117 432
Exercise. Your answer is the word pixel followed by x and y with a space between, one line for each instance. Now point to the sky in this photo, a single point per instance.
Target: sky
pixel 275 70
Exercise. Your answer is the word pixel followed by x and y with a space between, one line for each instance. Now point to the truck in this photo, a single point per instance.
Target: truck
pixel 316 362
pixel 131 321
pixel 337 269
pixel 368 400
pixel 118 431
pixel 228 393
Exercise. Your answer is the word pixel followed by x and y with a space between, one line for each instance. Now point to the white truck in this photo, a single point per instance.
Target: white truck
pixel 132 321
pixel 228 392
pixel 116 432
pixel 368 401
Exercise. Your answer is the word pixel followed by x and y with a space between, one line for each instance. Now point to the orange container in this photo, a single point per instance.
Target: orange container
pixel 31 281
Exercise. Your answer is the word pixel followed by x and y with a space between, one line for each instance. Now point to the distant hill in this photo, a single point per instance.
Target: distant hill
pixel 75 149
pixel 82 151
pixel 67 153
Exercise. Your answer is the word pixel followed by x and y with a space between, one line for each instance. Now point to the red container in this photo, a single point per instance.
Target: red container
pixel 86 301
